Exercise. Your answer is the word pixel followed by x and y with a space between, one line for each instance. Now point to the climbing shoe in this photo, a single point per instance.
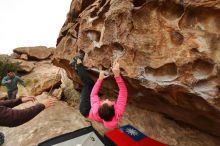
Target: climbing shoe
pixel 73 63
pixel 80 56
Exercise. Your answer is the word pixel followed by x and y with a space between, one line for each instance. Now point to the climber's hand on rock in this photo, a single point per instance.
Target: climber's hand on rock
pixel 48 102
pixel 102 75
pixel 28 98
pixel 116 68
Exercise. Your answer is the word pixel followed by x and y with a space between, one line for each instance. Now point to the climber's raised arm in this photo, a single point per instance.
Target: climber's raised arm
pixel 123 93
pixel 95 100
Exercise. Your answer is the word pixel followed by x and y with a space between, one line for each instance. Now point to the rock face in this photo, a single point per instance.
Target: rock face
pixel 168 50
pixel 38 52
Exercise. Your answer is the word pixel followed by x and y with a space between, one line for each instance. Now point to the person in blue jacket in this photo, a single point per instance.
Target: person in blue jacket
pixel 11 81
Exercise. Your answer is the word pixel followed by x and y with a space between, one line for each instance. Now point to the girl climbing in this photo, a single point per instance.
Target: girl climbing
pixel 104 111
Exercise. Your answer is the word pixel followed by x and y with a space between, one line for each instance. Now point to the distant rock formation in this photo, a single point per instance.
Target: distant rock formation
pixel 169 53
pixel 38 53
pixel 36 69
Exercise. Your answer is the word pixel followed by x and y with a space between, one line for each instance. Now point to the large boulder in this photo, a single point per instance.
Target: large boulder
pixel 38 52
pixel 168 51
pixel 46 84
pixel 44 77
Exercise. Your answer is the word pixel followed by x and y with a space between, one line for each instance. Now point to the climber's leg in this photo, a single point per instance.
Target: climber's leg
pixel 88 84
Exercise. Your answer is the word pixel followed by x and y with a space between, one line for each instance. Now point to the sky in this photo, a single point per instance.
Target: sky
pixel 25 23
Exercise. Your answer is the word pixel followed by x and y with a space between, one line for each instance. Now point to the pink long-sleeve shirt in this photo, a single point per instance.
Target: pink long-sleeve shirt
pixel 119 105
